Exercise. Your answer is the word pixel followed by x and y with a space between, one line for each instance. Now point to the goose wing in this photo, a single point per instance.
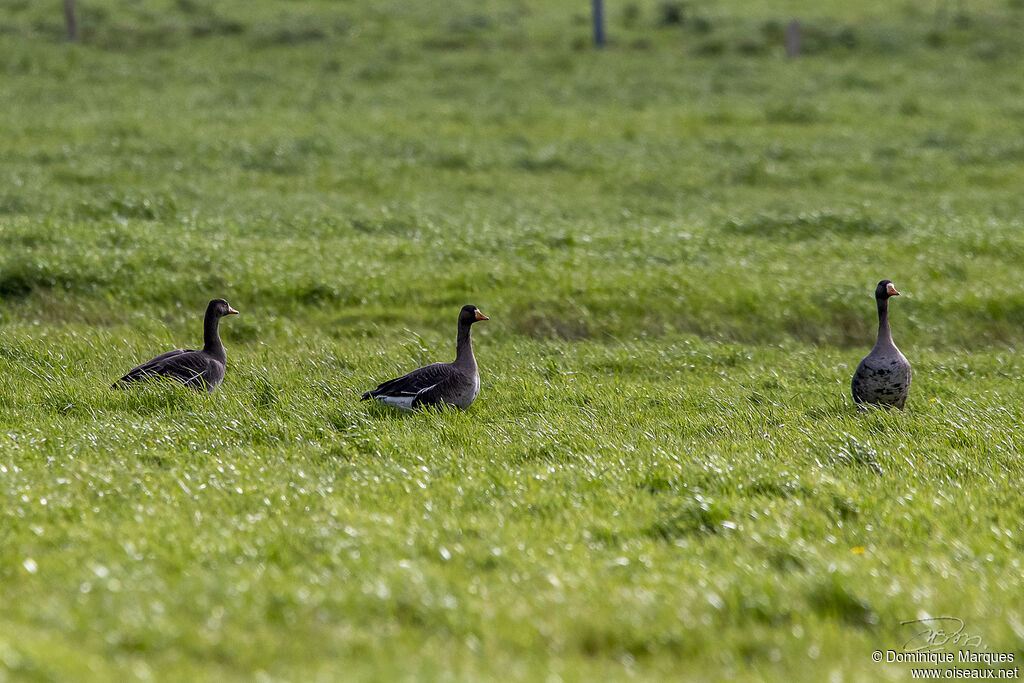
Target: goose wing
pixel 411 385
pixel 454 389
pixel 183 365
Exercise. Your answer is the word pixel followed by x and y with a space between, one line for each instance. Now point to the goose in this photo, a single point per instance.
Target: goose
pixel 200 370
pixel 883 377
pixel 454 384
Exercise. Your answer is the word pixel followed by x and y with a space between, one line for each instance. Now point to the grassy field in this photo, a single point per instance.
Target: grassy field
pixel 676 239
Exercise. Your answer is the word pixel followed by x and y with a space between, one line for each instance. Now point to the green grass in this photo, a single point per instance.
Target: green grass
pixel 677 240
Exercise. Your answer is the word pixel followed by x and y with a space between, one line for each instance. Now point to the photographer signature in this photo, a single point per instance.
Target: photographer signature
pixel 937 632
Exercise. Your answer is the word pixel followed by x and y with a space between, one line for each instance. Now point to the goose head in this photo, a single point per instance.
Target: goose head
pixel 885 289
pixel 220 308
pixel 470 314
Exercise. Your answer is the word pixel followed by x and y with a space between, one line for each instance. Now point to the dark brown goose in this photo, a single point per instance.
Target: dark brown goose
pixel 883 377
pixel 455 384
pixel 201 370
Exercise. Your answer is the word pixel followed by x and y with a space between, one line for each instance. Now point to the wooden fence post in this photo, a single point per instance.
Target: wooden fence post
pixel 598 6
pixel 69 17
pixel 793 39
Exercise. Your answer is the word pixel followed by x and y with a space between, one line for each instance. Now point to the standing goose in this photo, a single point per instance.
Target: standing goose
pixel 197 369
pixel 454 384
pixel 883 377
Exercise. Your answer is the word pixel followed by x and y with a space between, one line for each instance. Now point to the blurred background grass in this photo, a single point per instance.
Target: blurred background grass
pixel 403 156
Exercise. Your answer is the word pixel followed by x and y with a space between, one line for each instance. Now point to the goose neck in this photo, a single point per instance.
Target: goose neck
pixel 464 347
pixel 211 336
pixel 884 332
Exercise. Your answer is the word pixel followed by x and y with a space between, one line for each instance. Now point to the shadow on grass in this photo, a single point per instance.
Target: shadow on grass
pixel 158 395
pixel 379 411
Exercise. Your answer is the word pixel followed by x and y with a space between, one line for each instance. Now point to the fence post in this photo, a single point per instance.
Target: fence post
pixel 793 39
pixel 69 17
pixel 598 23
